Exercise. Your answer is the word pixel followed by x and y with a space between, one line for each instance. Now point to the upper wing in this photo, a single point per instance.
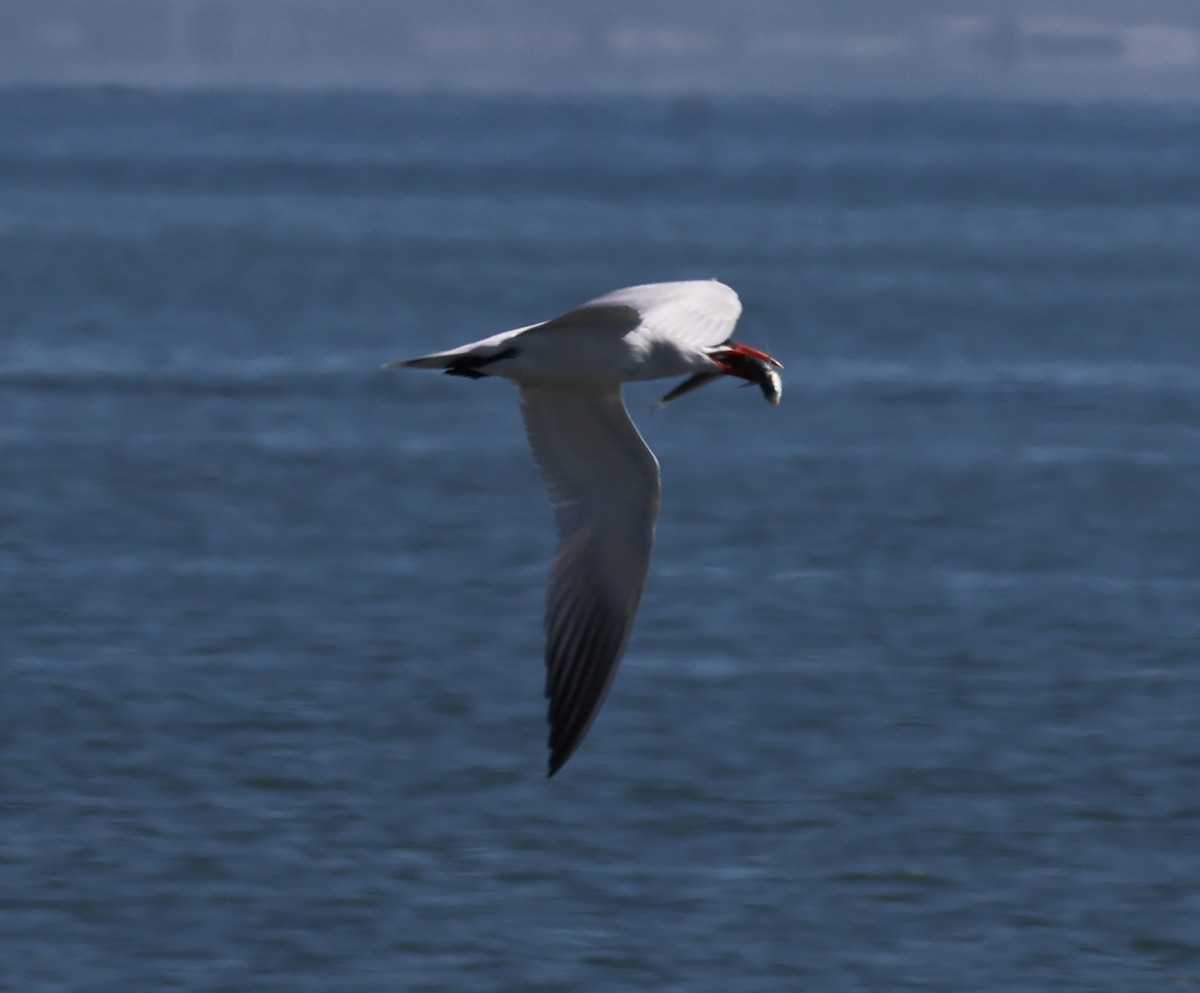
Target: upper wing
pixel 702 312
pixel 603 485
pixel 699 312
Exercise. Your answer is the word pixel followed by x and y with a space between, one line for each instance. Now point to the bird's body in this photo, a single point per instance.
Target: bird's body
pixel 601 478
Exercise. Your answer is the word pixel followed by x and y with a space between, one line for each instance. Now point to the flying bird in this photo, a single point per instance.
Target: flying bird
pixel 601 478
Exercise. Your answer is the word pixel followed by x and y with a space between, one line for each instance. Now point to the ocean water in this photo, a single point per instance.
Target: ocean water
pixel 912 701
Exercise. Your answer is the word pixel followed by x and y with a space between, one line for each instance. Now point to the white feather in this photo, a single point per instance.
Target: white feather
pixel 603 486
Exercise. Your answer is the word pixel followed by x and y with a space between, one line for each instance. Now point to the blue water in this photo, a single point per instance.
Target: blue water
pixel 913 696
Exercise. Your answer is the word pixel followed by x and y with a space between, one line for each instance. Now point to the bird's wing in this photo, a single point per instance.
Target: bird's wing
pixel 699 312
pixel 603 485
pixel 696 312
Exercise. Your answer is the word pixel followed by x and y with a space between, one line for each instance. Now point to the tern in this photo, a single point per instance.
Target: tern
pixel 600 476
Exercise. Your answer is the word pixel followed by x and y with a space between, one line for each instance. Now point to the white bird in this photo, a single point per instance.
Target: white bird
pixel 601 477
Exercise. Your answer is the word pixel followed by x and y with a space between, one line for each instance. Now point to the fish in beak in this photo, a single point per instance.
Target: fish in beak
pixel 735 359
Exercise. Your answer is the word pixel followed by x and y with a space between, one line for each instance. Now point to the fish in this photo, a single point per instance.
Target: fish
pixel 751 368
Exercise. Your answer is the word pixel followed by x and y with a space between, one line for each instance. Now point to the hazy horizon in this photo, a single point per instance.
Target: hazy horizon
pixel 1060 49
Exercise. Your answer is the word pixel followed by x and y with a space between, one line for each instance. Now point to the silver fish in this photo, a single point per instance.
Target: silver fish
pixel 753 370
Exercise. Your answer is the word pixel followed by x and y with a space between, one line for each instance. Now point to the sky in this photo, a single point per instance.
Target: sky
pixel 1080 49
